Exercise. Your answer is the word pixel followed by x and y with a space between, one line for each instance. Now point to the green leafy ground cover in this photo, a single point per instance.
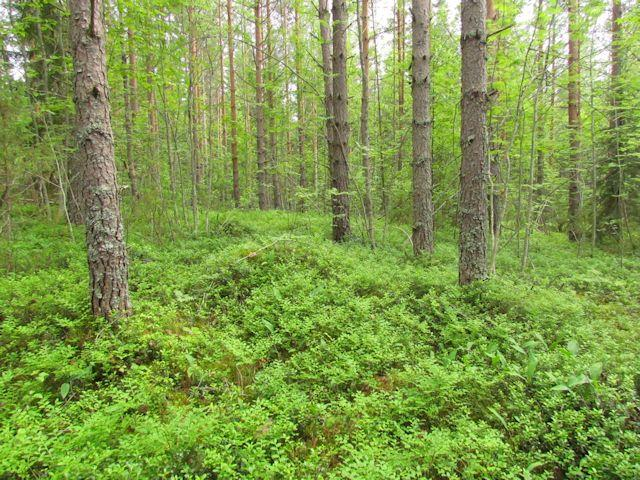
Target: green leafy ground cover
pixel 263 351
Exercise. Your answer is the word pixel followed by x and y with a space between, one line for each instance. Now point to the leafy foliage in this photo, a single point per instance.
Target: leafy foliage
pixel 262 350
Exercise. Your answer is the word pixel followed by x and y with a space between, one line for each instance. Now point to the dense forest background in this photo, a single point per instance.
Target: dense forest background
pixel 185 120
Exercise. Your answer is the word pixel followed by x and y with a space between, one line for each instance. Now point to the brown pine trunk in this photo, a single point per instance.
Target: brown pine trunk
pixel 420 90
pixel 107 256
pixel 575 201
pixel 473 200
pixel 261 151
pixel 232 107
pixel 340 125
pixel 364 122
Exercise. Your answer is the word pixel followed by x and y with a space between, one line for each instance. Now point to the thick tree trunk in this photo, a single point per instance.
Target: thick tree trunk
pixel 107 255
pixel 420 90
pixel 340 149
pixel 575 200
pixel 364 122
pixel 473 199
pixel 233 109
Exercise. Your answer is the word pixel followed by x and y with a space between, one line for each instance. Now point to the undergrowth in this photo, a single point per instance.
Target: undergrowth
pixel 260 350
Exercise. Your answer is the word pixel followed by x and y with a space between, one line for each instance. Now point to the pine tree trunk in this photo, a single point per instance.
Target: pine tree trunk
pixel 108 266
pixel 261 151
pixel 473 200
pixel 232 107
pixel 340 148
pixel 364 122
pixel 420 90
pixel 575 200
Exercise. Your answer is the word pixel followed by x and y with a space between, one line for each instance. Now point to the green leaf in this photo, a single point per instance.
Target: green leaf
pixel 595 371
pixel 531 366
pixel 561 387
pixel 576 380
pixel 573 347
pixel 499 417
pixel 64 390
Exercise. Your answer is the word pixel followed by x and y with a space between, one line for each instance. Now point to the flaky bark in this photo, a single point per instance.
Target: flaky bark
pixel 473 201
pixel 575 200
pixel 420 90
pixel 108 266
pixel 340 125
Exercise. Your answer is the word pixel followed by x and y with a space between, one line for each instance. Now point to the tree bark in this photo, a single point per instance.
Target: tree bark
pixel 575 200
pixel 233 109
pixel 422 128
pixel 473 200
pixel 261 151
pixel 107 257
pixel 364 122
pixel 340 148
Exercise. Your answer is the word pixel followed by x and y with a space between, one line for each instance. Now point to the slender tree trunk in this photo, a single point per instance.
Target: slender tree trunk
pixel 194 116
pixel 327 74
pixel 473 200
pixel 261 151
pixel 107 256
pixel 232 107
pixel 420 90
pixel 128 129
pixel 273 141
pixel 400 37
pixel 154 129
pixel 363 24
pixel 612 186
pixel 300 102
pixel 340 125
pixel 575 200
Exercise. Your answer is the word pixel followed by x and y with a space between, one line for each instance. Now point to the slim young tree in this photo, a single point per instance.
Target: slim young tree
pixel 612 201
pixel 108 266
pixel 233 108
pixel 261 150
pixel 364 120
pixel 575 200
pixel 473 201
pixel 340 125
pixel 422 128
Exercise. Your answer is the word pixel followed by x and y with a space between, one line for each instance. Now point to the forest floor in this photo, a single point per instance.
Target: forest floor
pixel 261 350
